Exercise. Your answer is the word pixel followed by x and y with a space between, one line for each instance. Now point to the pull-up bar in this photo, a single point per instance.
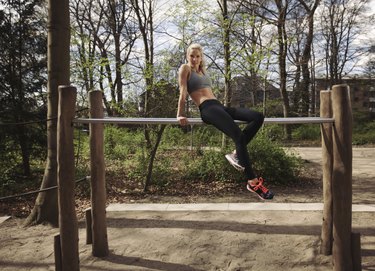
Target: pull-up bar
pixel 336 130
pixel 197 121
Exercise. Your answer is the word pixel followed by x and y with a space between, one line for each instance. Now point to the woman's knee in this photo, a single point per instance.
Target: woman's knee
pixel 259 118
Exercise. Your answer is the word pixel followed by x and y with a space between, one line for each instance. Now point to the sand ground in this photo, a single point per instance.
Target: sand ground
pixel 206 240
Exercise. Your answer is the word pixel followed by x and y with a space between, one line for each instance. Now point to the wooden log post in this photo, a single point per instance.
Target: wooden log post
pixel 57 251
pixel 98 190
pixel 356 251
pixel 342 178
pixel 88 226
pixel 66 179
pixel 327 163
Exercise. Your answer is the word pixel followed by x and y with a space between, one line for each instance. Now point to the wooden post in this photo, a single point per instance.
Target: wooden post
pixel 88 226
pixel 356 251
pixel 57 251
pixel 327 159
pixel 342 178
pixel 66 179
pixel 98 191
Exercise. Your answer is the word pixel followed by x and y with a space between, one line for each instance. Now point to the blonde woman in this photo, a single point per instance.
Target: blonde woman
pixel 194 81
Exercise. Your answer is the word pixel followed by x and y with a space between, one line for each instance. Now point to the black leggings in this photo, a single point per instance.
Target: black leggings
pixel 222 117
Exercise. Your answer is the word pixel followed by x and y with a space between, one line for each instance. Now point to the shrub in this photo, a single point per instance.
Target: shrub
pixel 273 131
pixel 272 162
pixel 120 142
pixel 268 158
pixel 205 162
pixel 208 165
pixel 363 129
pixel 307 132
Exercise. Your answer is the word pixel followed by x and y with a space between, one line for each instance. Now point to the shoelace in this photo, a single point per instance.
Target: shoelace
pixel 260 186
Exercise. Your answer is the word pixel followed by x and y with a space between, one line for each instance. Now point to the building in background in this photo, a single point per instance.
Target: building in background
pixel 362 92
pixel 251 91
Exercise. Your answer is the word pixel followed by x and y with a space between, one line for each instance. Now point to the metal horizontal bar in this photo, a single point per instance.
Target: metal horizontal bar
pixel 296 120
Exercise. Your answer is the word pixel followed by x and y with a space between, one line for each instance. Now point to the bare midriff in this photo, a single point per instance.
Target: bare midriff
pixel 201 95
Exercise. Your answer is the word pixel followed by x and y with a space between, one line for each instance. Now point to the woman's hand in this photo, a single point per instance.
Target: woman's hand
pixel 182 120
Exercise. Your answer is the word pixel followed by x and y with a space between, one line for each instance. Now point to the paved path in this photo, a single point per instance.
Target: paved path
pixel 266 206
pixel 363 159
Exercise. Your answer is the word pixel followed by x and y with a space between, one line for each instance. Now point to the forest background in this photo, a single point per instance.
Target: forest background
pixel 131 51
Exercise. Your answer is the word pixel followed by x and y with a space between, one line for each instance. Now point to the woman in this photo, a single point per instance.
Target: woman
pixel 193 80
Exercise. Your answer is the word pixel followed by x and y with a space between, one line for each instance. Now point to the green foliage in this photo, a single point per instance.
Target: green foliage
pixel 272 162
pixel 205 162
pixel 208 165
pixel 363 129
pixel 273 132
pixel 175 136
pixel 274 108
pixel 307 132
pixel 8 170
pixel 121 142
pixel 23 77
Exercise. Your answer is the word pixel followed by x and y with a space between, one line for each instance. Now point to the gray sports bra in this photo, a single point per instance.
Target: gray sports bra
pixel 197 81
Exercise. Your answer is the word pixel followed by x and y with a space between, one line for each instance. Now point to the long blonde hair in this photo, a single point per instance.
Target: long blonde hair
pixel 202 65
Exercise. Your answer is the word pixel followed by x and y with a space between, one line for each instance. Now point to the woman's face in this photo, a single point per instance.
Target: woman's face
pixel 194 58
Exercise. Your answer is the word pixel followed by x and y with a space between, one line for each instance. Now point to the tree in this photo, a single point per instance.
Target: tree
pixel 340 24
pixel 103 41
pixel 282 8
pixel 306 55
pixel 45 209
pixel 22 69
pixel 301 31
pixel 144 10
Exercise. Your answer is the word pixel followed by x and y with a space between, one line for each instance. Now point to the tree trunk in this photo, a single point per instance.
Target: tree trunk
pixel 282 40
pixel 152 158
pixel 25 145
pixel 306 57
pixel 227 70
pixel 46 209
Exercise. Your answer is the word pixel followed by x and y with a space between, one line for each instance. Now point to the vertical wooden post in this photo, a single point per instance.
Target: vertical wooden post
pixel 342 178
pixel 66 179
pixel 57 251
pixel 88 226
pixel 98 191
pixel 327 159
pixel 356 251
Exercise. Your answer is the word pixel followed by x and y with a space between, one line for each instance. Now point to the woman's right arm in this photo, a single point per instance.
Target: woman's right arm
pixel 183 74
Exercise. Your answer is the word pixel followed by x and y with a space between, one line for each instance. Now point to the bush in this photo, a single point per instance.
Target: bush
pixel 364 134
pixel 307 132
pixel 273 131
pixel 174 160
pixel 119 143
pixel 175 136
pixel 272 162
pixel 363 129
pixel 208 165
pixel 268 158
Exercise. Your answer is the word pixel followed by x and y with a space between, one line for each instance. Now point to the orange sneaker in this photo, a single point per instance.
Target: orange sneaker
pixel 259 189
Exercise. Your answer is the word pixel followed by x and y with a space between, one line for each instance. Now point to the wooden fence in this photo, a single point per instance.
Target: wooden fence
pixel 336 129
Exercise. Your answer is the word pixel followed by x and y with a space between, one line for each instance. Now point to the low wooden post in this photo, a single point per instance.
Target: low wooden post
pixel 88 226
pixel 342 178
pixel 57 251
pixel 98 191
pixel 66 179
pixel 356 251
pixel 327 163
